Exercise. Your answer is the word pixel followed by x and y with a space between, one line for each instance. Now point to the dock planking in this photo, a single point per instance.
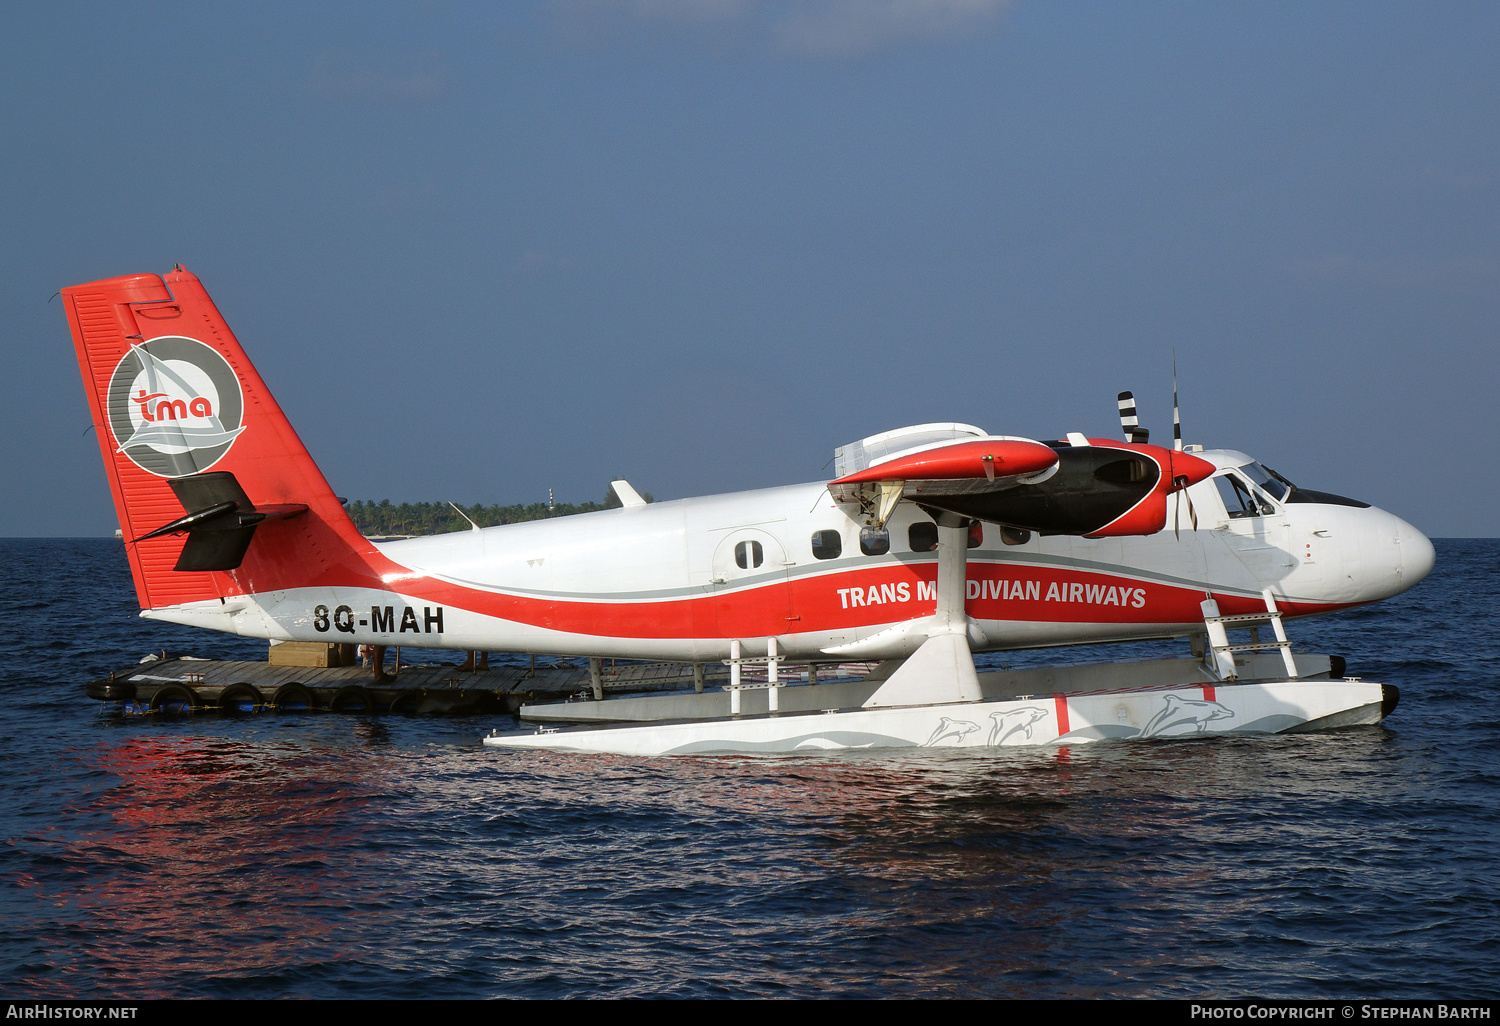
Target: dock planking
pixel 176 685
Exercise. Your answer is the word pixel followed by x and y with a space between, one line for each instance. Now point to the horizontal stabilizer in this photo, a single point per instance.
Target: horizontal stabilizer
pixel 220 521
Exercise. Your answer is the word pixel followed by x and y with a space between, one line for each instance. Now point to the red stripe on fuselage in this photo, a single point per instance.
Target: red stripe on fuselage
pixel 824 603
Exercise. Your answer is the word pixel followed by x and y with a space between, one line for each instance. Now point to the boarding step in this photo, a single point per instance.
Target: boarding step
pixel 1248 619
pixel 1219 658
pixel 772 684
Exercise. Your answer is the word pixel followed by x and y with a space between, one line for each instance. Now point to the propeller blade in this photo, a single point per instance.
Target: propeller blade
pixel 1130 423
pixel 1176 415
pixel 1181 486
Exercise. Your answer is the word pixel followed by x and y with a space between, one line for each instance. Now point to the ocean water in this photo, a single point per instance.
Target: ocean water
pixel 335 856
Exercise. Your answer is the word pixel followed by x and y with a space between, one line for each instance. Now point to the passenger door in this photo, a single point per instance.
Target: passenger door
pixel 751 576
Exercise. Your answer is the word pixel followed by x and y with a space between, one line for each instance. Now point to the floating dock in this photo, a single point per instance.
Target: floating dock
pixel 177 686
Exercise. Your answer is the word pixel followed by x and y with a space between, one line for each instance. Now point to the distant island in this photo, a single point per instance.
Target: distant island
pixel 384 518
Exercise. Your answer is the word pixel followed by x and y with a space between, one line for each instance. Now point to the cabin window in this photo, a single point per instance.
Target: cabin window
pixel 976 534
pixel 874 541
pixel 1014 536
pixel 922 536
pixel 827 545
pixel 748 555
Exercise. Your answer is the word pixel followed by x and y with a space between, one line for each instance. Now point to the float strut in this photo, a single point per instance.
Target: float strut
pixel 773 685
pixel 734 677
pixel 941 670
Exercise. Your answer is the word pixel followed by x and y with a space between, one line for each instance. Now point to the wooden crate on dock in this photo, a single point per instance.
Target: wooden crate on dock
pixel 311 653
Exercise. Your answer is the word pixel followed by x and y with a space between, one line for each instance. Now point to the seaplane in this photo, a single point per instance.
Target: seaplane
pixel 931 543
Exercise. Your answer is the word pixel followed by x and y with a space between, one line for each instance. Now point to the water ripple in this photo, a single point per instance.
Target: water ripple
pixel 326 856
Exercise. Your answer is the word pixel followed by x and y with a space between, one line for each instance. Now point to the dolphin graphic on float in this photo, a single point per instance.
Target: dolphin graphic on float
pixel 1007 722
pixel 1178 711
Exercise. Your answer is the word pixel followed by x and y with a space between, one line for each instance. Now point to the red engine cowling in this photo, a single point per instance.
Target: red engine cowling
pixel 1179 470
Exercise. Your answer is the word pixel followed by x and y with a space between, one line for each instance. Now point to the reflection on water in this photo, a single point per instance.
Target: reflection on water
pixel 207 856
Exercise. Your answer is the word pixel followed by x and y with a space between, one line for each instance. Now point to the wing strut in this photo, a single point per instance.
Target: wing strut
pixel 942 668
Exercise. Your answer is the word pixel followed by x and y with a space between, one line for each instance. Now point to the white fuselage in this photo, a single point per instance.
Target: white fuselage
pixel 682 579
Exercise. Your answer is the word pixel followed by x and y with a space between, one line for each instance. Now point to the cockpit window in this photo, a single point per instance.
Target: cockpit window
pixel 1271 482
pixel 1240 499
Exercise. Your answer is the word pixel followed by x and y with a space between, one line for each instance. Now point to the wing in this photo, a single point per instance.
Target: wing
pixel 1097 488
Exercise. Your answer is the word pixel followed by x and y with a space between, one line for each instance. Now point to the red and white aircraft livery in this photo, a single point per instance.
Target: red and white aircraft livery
pixel 231 526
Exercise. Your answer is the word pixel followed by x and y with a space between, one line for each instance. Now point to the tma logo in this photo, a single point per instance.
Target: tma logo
pixel 168 408
pixel 175 406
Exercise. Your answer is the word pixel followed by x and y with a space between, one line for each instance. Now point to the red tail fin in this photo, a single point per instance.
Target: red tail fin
pixel 193 442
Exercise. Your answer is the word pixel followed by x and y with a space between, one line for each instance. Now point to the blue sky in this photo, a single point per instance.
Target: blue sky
pixel 479 251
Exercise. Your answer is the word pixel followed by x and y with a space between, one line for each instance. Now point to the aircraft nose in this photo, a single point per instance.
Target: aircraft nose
pixel 1390 555
pixel 1417 553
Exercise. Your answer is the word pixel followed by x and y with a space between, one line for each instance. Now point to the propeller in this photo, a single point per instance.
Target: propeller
pixel 1177 446
pixel 1129 422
